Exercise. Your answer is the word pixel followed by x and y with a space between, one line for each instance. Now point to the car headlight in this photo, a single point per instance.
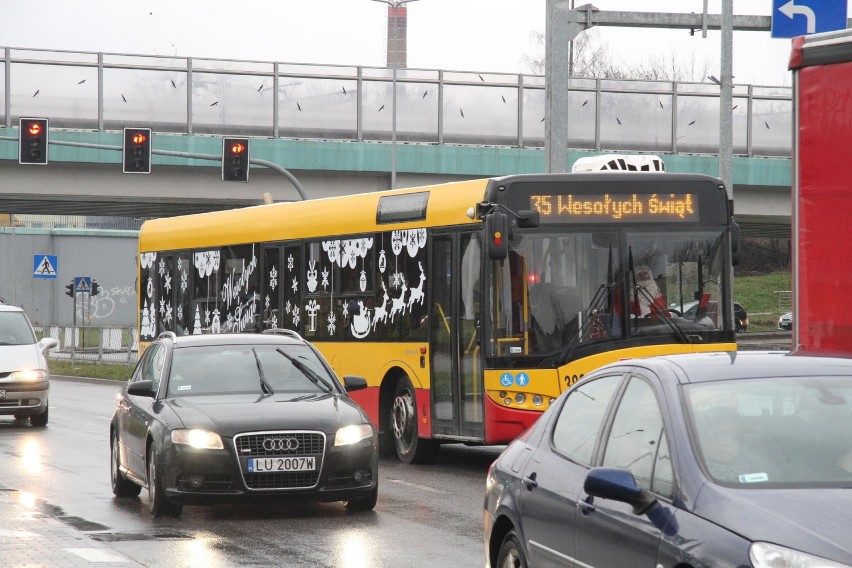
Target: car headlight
pixel 30 375
pixel 198 439
pixel 766 555
pixel 353 434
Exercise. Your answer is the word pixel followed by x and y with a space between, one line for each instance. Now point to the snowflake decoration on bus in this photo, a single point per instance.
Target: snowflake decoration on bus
pixel 325 279
pixel 161 268
pixel 332 321
pixel 273 278
pixel 162 306
pixel 266 302
pixel 180 264
pixel 168 316
pixel 296 317
pixel 295 285
pixel 184 281
pixel 180 312
pixel 290 262
pixel 207 317
pixel 167 282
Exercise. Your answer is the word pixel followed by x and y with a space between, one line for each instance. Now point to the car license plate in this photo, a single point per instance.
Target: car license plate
pixel 307 463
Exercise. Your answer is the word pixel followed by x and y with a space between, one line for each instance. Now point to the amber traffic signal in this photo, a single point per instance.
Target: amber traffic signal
pixel 136 151
pixel 32 145
pixel 235 159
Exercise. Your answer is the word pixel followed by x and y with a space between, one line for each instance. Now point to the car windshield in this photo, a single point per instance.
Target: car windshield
pixel 773 432
pixel 260 369
pixel 15 329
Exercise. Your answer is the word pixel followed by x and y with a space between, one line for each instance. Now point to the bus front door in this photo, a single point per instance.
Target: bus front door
pixel 457 404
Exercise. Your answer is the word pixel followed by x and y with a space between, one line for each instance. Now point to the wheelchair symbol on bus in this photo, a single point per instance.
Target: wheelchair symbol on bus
pixel 506 379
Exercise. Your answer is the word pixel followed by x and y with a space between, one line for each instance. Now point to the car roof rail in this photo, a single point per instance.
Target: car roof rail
pixel 168 335
pixel 283 331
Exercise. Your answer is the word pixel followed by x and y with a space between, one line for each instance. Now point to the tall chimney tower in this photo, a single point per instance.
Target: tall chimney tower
pixel 397 33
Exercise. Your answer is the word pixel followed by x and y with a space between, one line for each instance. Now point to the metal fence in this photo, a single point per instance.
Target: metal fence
pixel 118 345
pixel 107 91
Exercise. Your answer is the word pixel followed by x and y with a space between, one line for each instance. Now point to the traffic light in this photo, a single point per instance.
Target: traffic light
pixel 235 159
pixel 497 233
pixel 70 288
pixel 96 288
pixel 137 151
pixel 32 137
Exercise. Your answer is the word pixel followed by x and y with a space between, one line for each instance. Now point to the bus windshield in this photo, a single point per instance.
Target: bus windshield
pixel 557 289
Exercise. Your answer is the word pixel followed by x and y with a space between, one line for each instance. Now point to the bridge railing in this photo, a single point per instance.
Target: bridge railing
pixel 108 91
pixel 118 345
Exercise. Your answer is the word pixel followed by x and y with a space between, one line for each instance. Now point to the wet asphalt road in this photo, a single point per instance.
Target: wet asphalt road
pixel 426 515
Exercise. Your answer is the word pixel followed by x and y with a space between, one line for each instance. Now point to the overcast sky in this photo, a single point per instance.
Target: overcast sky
pixel 464 35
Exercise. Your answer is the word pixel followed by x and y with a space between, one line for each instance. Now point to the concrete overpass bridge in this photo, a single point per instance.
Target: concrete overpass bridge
pixel 331 127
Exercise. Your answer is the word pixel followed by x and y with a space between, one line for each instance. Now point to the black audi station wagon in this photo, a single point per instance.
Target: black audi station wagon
pixel 218 418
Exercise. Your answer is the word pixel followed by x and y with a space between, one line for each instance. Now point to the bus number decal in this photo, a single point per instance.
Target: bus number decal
pixel 571 379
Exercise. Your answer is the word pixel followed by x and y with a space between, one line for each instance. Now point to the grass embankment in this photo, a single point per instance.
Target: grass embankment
pixel 86 369
pixel 758 296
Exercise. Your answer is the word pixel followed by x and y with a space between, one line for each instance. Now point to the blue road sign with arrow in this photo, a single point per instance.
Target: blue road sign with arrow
pixel 791 18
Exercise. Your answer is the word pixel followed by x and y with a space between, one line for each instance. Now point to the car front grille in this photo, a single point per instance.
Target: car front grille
pixel 278 444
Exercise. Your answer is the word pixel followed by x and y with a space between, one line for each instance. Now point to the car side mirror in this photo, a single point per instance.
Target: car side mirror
pixel 47 343
pixel 354 383
pixel 141 388
pixel 619 485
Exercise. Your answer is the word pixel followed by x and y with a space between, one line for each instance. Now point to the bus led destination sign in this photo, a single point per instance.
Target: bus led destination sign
pixel 672 207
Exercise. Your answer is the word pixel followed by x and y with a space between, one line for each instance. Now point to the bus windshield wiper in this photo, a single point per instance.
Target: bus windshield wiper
pixel 263 384
pixel 602 293
pixel 662 314
pixel 312 375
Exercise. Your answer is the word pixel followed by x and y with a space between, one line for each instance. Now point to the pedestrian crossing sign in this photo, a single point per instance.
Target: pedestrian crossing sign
pixel 83 284
pixel 45 266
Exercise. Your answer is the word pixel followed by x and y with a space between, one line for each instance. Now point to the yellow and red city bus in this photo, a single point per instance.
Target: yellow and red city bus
pixel 468 306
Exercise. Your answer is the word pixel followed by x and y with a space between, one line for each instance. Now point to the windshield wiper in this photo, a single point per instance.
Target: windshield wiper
pixel 602 293
pixel 653 306
pixel 263 384
pixel 308 372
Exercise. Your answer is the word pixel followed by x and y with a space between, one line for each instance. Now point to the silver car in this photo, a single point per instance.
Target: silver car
pixel 24 375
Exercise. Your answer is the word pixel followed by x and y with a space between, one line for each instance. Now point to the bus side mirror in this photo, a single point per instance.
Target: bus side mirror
pixel 736 253
pixel 497 233
pixel 528 219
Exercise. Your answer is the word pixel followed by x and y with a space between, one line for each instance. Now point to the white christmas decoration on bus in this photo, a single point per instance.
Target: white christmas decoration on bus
pixel 332 321
pixel 216 327
pixel 273 278
pixel 312 276
pixel 207 262
pixel 312 309
pixel 383 261
pixel 381 312
pixel 398 305
pixel 147 259
pixel 325 282
pixel 360 326
pixel 417 294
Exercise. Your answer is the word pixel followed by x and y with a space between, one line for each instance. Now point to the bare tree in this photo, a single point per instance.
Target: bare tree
pixel 592 59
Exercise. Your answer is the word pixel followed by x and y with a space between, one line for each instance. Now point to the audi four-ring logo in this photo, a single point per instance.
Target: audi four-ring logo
pixel 279 444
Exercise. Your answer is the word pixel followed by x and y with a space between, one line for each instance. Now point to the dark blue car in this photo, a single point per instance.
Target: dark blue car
pixel 728 459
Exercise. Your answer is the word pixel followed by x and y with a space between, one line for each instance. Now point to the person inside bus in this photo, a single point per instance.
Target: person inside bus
pixel 648 300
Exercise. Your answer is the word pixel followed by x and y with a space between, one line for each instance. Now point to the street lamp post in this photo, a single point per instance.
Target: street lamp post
pixel 395 5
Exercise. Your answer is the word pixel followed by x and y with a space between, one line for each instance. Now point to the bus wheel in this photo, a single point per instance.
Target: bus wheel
pixel 410 448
